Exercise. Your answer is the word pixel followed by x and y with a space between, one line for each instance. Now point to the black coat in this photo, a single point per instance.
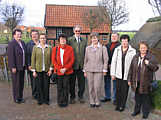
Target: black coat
pixel 29 48
pixel 110 53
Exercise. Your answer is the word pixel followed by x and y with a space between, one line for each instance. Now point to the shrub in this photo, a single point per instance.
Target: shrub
pixel 156 97
pixel 155 19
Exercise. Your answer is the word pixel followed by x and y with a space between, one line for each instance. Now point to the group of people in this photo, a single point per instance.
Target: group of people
pixel 73 59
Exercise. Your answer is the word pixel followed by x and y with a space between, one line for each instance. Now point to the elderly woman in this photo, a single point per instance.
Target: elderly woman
pixel 63 59
pixel 120 65
pixel 95 65
pixel 140 77
pixel 42 68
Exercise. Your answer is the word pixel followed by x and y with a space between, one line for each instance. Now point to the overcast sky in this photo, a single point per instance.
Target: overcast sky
pixel 139 11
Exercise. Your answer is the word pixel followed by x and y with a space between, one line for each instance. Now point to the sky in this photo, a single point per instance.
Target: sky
pixel 139 11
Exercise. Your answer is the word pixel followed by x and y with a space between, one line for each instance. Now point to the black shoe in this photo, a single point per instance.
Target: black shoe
pixel 135 113
pixel 22 100
pixel 105 100
pixel 39 103
pixel 97 105
pixel 117 109
pixel 92 105
pixel 47 103
pixel 35 97
pixel 121 109
pixel 72 101
pixel 145 116
pixel 81 100
pixel 63 105
pixel 17 101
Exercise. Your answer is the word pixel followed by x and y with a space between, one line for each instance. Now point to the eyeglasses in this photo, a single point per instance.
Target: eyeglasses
pixel 77 30
pixel 43 38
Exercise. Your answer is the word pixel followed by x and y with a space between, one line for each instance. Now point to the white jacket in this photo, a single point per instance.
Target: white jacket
pixel 116 65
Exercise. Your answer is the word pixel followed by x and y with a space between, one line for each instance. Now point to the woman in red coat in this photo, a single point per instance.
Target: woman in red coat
pixel 63 59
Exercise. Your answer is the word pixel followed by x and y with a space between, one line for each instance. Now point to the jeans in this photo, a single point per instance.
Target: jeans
pixel 107 86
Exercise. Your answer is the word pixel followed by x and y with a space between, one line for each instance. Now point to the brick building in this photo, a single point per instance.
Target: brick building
pixel 62 18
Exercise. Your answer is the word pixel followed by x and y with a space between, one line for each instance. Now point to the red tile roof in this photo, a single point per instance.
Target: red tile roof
pixel 28 28
pixel 69 16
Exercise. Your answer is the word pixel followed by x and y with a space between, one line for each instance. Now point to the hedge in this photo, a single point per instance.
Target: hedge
pixel 156 97
pixel 155 19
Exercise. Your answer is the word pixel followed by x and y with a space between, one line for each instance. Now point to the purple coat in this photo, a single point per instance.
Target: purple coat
pixel 15 55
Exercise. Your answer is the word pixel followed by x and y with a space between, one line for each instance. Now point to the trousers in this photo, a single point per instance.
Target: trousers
pixel 79 75
pixel 122 89
pixel 18 84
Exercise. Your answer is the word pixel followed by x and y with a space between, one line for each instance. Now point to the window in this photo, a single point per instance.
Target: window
pixel 58 32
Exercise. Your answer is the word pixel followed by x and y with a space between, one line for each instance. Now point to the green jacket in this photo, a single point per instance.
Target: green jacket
pixel 37 58
pixel 79 53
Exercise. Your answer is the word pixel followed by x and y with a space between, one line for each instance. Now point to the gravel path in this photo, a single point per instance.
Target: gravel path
pixel 31 111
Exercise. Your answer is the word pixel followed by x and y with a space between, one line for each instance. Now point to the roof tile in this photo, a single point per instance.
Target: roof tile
pixel 69 16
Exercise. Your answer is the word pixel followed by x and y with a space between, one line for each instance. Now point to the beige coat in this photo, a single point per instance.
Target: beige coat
pixel 96 59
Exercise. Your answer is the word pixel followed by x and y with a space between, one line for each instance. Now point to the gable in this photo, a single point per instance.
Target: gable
pixel 69 16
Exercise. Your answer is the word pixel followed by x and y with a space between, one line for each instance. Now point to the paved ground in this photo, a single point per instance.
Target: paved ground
pixel 31 111
pixel 3 49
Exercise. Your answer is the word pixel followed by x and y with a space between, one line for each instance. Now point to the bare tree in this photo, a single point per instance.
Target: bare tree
pixel 93 18
pixel 116 10
pixel 156 4
pixel 12 15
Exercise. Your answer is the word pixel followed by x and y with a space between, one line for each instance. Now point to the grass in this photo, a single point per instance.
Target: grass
pixel 156 97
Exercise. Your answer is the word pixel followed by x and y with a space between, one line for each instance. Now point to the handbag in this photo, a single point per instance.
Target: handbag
pixel 53 78
pixel 54 75
pixel 154 83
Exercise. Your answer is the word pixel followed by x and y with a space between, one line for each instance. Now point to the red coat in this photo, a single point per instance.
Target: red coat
pixel 68 60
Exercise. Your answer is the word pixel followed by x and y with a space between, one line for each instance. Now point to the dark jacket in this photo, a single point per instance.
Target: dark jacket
pixel 29 48
pixel 146 73
pixel 79 56
pixel 15 55
pixel 110 54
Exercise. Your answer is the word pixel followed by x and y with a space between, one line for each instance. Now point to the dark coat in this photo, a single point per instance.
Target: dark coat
pixel 29 48
pixel 15 55
pixel 79 53
pixel 146 73
pixel 110 54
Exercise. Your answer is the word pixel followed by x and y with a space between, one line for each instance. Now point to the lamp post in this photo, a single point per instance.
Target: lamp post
pixel 6 34
pixel 5 57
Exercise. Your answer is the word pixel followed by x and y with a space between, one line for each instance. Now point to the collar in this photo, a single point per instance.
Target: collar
pixel 33 43
pixel 129 47
pixel 62 47
pixel 17 41
pixel 41 46
pixel 76 36
pixel 98 45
